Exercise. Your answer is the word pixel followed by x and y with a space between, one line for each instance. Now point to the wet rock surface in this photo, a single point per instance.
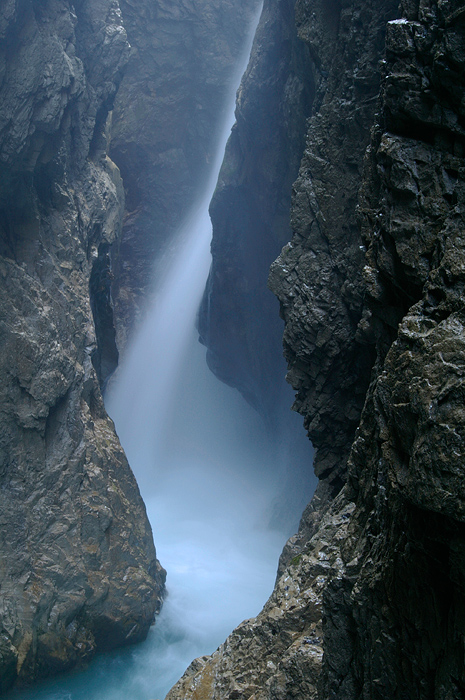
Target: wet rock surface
pixel 318 276
pixel 318 279
pixel 369 599
pixel 406 471
pixel 278 654
pixel 79 571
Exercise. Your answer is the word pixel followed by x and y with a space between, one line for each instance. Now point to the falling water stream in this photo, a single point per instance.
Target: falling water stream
pixel 210 475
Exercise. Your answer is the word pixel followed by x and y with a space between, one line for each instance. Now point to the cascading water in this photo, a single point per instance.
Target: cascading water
pixel 208 471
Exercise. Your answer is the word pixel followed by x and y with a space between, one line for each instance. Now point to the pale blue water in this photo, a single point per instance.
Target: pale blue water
pixel 210 474
pixel 210 509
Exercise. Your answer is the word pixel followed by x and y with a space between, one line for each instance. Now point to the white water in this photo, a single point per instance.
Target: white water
pixel 210 476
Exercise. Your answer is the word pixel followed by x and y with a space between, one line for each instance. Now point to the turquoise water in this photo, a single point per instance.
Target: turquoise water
pixel 210 508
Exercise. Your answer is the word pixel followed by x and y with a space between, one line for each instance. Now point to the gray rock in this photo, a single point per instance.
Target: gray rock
pixel 79 571
pixel 406 600
pixel 278 654
pixel 317 277
pixel 239 320
pixel 380 566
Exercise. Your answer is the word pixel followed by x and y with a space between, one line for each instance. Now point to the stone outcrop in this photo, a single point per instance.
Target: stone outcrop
pixel 79 571
pixel 370 594
pixel 279 653
pixel 369 598
pixel 165 127
pixel 318 276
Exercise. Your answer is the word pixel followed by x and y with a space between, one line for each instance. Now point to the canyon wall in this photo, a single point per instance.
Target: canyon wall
pixel 79 571
pixel 239 317
pixel 369 598
pixel 370 593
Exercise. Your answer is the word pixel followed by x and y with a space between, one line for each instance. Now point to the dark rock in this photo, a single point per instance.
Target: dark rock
pixel 79 572
pixel 376 572
pixel 406 601
pixel 317 277
pixel 238 320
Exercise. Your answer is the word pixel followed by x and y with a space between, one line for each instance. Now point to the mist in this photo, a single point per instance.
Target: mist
pixel 223 492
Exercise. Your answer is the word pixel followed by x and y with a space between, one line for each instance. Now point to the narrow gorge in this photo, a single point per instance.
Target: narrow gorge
pixel 339 207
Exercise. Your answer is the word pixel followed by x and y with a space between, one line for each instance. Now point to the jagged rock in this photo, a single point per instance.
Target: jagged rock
pixel 406 600
pixel 318 276
pixel 165 127
pixel 387 602
pixel 369 600
pixel 277 654
pixel 79 571
pixel 318 279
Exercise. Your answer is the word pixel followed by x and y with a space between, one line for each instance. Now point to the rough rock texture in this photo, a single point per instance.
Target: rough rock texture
pixel 404 599
pixel 277 654
pixel 78 571
pixel 239 320
pixel 370 596
pixel 165 126
pixel 317 277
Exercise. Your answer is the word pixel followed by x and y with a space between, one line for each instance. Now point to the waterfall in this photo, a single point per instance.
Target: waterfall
pixel 207 469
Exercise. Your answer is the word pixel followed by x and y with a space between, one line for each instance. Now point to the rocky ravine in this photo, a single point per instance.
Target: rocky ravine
pixel 78 570
pixel 370 595
pixel 369 599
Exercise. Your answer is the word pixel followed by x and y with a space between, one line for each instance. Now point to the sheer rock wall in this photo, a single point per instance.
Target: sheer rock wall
pixel 370 594
pixel 402 591
pixel 79 571
pixel 239 321
pixel 317 277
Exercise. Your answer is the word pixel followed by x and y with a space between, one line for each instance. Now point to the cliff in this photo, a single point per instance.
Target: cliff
pixel 239 320
pixel 406 541
pixel 79 571
pixel 369 596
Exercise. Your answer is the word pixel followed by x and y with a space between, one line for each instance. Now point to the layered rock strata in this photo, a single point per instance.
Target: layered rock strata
pixel 165 126
pixel 79 571
pixel 370 595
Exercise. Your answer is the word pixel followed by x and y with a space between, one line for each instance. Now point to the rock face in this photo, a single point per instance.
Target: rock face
pixel 317 277
pixel 403 598
pixel 370 594
pixel 79 571
pixel 239 320
pixel 165 126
